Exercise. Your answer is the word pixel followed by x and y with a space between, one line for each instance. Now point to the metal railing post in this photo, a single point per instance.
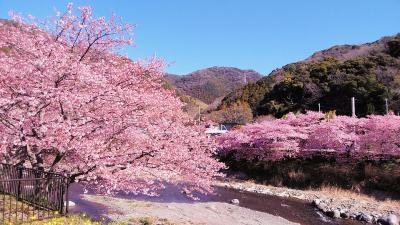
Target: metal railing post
pixel 19 170
pixel 43 193
pixel 67 194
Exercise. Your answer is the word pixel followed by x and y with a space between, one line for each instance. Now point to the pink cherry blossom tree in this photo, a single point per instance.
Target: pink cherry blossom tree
pixel 70 103
pixel 311 134
pixel 268 140
pixel 378 137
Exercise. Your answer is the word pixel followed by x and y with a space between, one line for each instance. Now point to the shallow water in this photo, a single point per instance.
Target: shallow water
pixel 94 210
pixel 291 209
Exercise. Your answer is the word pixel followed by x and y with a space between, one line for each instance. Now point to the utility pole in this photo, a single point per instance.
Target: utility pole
pixel 319 107
pixel 199 115
pixel 386 106
pixel 198 97
pixel 353 107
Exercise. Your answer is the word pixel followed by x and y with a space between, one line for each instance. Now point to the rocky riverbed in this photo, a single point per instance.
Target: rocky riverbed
pixel 270 208
pixel 210 213
pixel 334 202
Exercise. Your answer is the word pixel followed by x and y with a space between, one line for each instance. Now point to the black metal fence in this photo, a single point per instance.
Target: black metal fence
pixel 28 194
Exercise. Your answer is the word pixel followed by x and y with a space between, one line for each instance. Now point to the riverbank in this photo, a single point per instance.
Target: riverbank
pixel 334 202
pixel 210 213
pixel 294 210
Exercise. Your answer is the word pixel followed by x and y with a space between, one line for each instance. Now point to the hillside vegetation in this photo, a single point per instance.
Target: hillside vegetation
pixel 192 106
pixel 368 72
pixel 209 84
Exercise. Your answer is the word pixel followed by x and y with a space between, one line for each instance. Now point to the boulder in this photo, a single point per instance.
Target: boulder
pixel 334 213
pixel 364 217
pixel 391 220
pixel 316 202
pixel 353 216
pixel 282 194
pixel 235 201
pixel 323 207
pixel 299 196
pixel 70 203
pixel 345 215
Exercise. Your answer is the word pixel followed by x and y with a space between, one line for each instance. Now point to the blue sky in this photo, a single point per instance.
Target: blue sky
pixel 248 34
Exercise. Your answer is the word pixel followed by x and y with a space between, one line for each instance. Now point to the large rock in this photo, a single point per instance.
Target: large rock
pixel 353 215
pixel 345 214
pixel 70 203
pixel 334 213
pixel 323 207
pixel 365 217
pixel 235 201
pixel 316 202
pixel 393 220
pixel 389 220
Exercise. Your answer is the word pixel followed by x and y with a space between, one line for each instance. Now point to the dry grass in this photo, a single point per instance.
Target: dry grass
pixel 12 211
pixel 72 220
pixel 340 193
pixel 151 220
pixel 84 220
pixel 373 202
pixel 296 175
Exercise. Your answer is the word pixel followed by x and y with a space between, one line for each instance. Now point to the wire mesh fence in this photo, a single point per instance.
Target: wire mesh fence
pixel 29 194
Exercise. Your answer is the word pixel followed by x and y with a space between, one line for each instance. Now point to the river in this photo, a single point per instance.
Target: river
pixel 291 209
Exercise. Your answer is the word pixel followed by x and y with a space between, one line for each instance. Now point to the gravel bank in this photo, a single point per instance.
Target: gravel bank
pixel 210 213
pixel 335 204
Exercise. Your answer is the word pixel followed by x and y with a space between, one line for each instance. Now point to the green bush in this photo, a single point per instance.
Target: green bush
pixel 394 47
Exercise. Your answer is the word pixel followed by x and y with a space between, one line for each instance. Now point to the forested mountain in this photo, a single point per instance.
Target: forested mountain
pixel 209 84
pixel 369 72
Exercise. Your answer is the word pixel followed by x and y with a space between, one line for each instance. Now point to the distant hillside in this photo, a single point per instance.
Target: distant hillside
pixel 191 105
pixel 209 84
pixel 369 72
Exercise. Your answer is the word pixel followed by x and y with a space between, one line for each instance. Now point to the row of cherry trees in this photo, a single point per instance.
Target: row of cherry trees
pixel 310 134
pixel 70 103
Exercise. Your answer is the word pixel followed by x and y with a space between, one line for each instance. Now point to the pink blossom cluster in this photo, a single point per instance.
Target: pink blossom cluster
pixel 310 134
pixel 69 103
